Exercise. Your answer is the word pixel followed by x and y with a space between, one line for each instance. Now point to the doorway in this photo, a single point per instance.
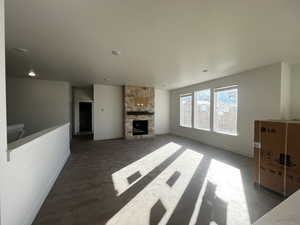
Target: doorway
pixel 85 117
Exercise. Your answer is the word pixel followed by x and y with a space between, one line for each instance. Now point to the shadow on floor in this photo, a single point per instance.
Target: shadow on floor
pixel 84 192
pixel 212 208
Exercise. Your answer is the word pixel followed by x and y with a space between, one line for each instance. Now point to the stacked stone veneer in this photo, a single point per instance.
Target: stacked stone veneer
pixel 138 99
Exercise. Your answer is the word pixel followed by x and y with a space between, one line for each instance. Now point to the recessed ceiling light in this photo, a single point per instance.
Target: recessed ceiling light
pixel 205 71
pixel 116 52
pixel 32 73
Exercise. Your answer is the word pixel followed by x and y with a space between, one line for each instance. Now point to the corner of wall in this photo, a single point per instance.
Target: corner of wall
pixel 285 93
pixel 3 139
pixel 295 93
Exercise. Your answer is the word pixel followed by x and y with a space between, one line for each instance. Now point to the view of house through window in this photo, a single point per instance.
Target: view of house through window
pixel 186 110
pixel 202 110
pixel 224 114
pixel 225 110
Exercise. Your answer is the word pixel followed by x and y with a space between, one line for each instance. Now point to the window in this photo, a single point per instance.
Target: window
pixel 225 110
pixel 202 110
pixel 186 110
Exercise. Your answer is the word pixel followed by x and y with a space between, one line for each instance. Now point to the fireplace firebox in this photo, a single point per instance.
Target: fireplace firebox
pixel 140 127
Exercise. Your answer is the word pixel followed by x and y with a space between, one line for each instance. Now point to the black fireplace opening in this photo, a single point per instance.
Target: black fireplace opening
pixel 140 127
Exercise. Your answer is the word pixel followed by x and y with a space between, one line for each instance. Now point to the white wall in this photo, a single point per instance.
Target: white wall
pixel 39 104
pixel 80 95
pixel 162 111
pixel 31 173
pixel 3 145
pixel 259 98
pixel 295 92
pixel 108 112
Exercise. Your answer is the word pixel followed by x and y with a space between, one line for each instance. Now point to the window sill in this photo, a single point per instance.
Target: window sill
pixel 213 131
pixel 184 127
pixel 202 129
pixel 226 133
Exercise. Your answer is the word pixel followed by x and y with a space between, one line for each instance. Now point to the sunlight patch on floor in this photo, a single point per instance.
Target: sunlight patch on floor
pixel 142 167
pixel 160 190
pixel 229 189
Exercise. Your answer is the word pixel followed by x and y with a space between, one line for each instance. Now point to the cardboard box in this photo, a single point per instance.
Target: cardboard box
pixel 293 147
pixel 277 155
pixel 272 178
pixel 273 136
pixel 292 182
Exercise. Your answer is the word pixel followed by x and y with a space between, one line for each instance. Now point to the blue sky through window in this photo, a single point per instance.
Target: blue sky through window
pixel 227 97
pixel 203 95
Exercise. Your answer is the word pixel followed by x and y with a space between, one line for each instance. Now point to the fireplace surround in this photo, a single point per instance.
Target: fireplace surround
pixel 139 127
pixel 138 111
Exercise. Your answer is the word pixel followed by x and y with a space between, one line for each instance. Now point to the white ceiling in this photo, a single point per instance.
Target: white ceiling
pixel 163 43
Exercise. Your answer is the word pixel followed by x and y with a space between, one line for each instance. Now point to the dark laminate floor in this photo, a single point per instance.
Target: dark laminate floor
pixel 195 184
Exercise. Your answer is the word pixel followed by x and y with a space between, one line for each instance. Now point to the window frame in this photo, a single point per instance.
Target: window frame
pixel 226 88
pixel 210 110
pixel 192 109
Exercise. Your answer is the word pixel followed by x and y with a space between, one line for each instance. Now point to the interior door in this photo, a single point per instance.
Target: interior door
pixel 85 117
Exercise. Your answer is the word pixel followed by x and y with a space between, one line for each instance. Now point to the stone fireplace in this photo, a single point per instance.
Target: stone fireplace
pixel 139 112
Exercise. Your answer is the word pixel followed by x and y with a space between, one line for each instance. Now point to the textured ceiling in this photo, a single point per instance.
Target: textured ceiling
pixel 163 43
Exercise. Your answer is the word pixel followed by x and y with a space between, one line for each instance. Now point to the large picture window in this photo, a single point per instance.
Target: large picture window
pixel 186 110
pixel 202 109
pixel 225 110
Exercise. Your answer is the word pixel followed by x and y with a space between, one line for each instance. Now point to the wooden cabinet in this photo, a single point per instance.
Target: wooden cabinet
pixel 277 155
